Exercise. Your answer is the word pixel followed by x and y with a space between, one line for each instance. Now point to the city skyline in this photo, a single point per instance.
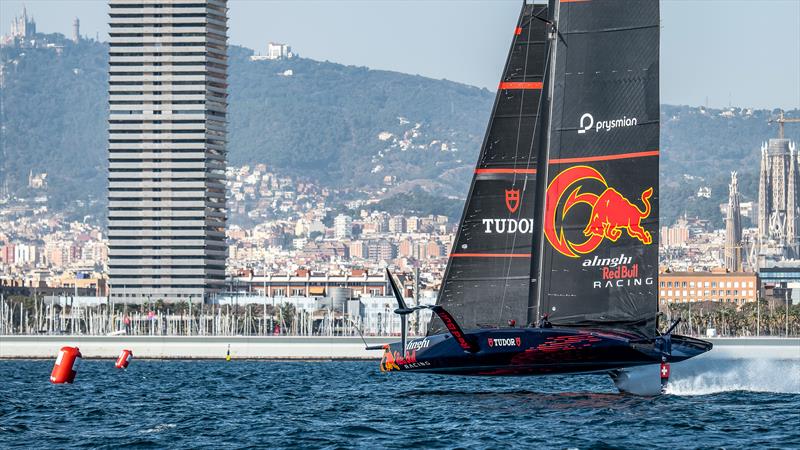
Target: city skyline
pixel 289 225
pixel 701 60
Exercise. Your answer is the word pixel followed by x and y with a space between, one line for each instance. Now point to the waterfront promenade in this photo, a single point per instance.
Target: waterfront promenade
pixel 299 347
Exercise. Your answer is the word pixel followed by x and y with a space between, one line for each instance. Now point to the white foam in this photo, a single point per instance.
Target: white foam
pixel 160 428
pixel 707 376
pixel 724 369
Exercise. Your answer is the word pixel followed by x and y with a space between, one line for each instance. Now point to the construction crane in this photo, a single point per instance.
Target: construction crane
pixel 780 120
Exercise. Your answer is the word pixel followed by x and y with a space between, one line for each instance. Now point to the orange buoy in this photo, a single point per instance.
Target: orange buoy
pixel 124 359
pixel 66 365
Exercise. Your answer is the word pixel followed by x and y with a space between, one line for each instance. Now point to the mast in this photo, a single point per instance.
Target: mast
pixel 534 305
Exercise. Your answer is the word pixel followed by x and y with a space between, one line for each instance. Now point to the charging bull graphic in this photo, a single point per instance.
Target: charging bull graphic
pixel 394 360
pixel 611 212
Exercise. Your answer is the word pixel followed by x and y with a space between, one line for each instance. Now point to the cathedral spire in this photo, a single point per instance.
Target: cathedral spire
pixel 733 228
pixel 792 212
pixel 763 196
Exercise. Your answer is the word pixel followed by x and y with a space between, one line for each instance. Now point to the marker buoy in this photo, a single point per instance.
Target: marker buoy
pixel 124 359
pixel 66 365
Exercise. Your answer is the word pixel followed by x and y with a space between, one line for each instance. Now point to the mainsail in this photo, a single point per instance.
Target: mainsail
pixel 487 278
pixel 598 262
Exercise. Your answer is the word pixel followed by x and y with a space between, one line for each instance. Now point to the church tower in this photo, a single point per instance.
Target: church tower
pixel 778 200
pixel 733 228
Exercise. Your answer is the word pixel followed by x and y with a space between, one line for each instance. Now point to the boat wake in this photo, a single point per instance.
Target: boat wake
pixel 712 376
pixel 709 375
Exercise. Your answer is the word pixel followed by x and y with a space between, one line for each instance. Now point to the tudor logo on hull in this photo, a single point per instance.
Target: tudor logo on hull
pixel 504 342
pixel 611 212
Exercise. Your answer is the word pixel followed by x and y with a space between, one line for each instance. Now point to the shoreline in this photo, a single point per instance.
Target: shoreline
pixel 296 348
pixel 275 348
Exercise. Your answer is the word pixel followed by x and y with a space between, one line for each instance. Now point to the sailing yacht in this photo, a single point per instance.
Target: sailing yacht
pixel 554 269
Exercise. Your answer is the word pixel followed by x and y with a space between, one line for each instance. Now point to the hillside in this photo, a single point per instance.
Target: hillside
pixel 341 125
pixel 325 121
pixel 700 147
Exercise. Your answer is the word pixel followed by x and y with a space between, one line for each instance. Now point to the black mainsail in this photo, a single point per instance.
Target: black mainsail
pixel 487 279
pixel 598 261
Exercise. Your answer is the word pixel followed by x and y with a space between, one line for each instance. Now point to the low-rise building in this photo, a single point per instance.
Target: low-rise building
pixel 304 283
pixel 715 286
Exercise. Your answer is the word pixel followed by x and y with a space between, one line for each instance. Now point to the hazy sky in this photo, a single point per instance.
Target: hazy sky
pixel 742 52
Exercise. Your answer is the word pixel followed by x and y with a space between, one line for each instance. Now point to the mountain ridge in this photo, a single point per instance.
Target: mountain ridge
pixel 343 126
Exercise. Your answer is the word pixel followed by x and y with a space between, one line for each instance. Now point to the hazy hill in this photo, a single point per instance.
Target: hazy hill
pixel 701 147
pixel 341 125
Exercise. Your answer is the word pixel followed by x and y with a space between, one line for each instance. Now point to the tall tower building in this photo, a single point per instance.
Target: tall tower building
pixel 733 228
pixel 76 30
pixel 343 227
pixel 167 134
pixel 778 202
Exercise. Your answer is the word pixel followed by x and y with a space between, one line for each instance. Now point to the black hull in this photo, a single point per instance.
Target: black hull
pixel 534 351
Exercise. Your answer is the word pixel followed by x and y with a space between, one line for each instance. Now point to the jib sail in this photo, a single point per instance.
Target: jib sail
pixel 487 278
pixel 598 260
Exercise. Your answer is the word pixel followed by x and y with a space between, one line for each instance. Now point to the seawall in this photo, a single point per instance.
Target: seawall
pixel 300 348
pixel 195 347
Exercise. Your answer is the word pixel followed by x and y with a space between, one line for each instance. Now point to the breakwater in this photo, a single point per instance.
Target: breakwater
pixel 196 347
pixel 297 347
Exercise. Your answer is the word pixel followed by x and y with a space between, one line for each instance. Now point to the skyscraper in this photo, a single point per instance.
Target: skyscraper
pixel 778 212
pixel 76 30
pixel 167 156
pixel 733 228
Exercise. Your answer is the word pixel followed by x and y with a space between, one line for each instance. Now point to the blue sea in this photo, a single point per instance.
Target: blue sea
pixel 218 404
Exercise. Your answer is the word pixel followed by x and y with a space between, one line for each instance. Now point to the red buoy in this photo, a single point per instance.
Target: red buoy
pixel 124 359
pixel 66 365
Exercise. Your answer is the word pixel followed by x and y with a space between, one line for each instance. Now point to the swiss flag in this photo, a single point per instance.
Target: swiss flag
pixel 664 370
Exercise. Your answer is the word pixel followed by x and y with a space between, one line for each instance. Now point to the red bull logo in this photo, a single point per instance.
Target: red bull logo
pixel 394 360
pixel 611 212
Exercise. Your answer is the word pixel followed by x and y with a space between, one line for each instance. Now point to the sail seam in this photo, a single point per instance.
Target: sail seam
pixel 604 157
pixel 513 171
pixel 533 85
pixel 490 255
pixel 608 30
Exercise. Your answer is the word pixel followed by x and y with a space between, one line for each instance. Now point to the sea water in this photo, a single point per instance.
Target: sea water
pixel 218 404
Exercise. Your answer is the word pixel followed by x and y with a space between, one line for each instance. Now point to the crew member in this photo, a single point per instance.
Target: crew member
pixel 544 322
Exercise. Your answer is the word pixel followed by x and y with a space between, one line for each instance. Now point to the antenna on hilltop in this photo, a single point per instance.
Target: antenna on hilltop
pixel 780 120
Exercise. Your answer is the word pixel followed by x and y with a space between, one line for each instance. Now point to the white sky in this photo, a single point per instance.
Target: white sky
pixel 740 52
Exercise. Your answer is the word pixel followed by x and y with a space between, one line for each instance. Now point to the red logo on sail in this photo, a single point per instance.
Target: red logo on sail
pixel 611 212
pixel 512 200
